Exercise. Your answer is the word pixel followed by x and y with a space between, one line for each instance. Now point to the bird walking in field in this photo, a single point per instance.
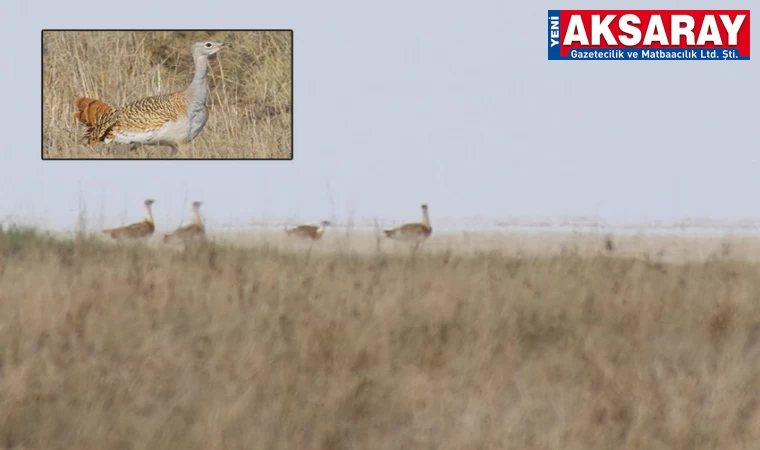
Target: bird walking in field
pixel 412 232
pixel 167 119
pixel 312 232
pixel 195 230
pixel 136 230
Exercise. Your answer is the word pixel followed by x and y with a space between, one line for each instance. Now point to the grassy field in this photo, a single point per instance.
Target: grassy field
pixel 264 346
pixel 250 89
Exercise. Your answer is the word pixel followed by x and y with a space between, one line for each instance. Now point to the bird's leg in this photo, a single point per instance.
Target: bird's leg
pixel 133 147
pixel 175 149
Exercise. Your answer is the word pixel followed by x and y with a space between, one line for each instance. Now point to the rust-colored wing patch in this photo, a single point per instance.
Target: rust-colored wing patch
pixel 89 110
pixel 98 117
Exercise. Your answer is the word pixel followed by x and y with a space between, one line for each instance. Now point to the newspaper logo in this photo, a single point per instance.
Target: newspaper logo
pixel 717 35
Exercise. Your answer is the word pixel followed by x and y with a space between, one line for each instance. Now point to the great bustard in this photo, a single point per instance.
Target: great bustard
pixel 313 232
pixel 167 119
pixel 136 230
pixel 192 231
pixel 412 232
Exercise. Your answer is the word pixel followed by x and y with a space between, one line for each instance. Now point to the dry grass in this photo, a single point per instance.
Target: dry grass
pixel 250 92
pixel 222 347
pixel 652 247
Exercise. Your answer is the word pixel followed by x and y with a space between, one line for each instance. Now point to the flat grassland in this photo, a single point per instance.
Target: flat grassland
pixel 250 89
pixel 274 346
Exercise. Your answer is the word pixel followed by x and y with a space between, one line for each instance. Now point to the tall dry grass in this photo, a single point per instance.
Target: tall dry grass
pixel 250 93
pixel 214 346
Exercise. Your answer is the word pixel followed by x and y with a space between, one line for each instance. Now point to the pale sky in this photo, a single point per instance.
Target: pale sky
pixel 397 103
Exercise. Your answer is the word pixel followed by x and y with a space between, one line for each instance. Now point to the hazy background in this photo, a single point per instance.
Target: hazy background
pixel 399 103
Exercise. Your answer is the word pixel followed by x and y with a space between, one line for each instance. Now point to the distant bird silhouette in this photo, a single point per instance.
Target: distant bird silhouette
pixel 313 232
pixel 412 232
pixel 136 230
pixel 193 231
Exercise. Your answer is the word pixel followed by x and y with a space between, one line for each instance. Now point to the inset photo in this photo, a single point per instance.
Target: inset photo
pixel 171 94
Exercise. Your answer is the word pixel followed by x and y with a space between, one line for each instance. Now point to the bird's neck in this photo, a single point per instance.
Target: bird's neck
pixel 425 218
pixel 198 88
pixel 148 214
pixel 197 218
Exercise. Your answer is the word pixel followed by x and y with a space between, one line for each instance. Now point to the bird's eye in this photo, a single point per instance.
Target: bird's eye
pixel 208 44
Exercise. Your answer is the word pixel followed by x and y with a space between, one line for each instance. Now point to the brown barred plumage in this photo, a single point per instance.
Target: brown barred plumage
pixel 312 232
pixel 166 119
pixel 149 113
pixel 135 230
pixel 192 231
pixel 412 231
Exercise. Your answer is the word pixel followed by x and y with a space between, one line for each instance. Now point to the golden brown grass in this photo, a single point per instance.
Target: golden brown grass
pixel 250 89
pixel 135 346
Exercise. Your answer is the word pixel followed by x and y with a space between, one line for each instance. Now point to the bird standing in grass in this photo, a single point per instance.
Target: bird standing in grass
pixel 193 231
pixel 136 230
pixel 167 119
pixel 312 232
pixel 412 232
